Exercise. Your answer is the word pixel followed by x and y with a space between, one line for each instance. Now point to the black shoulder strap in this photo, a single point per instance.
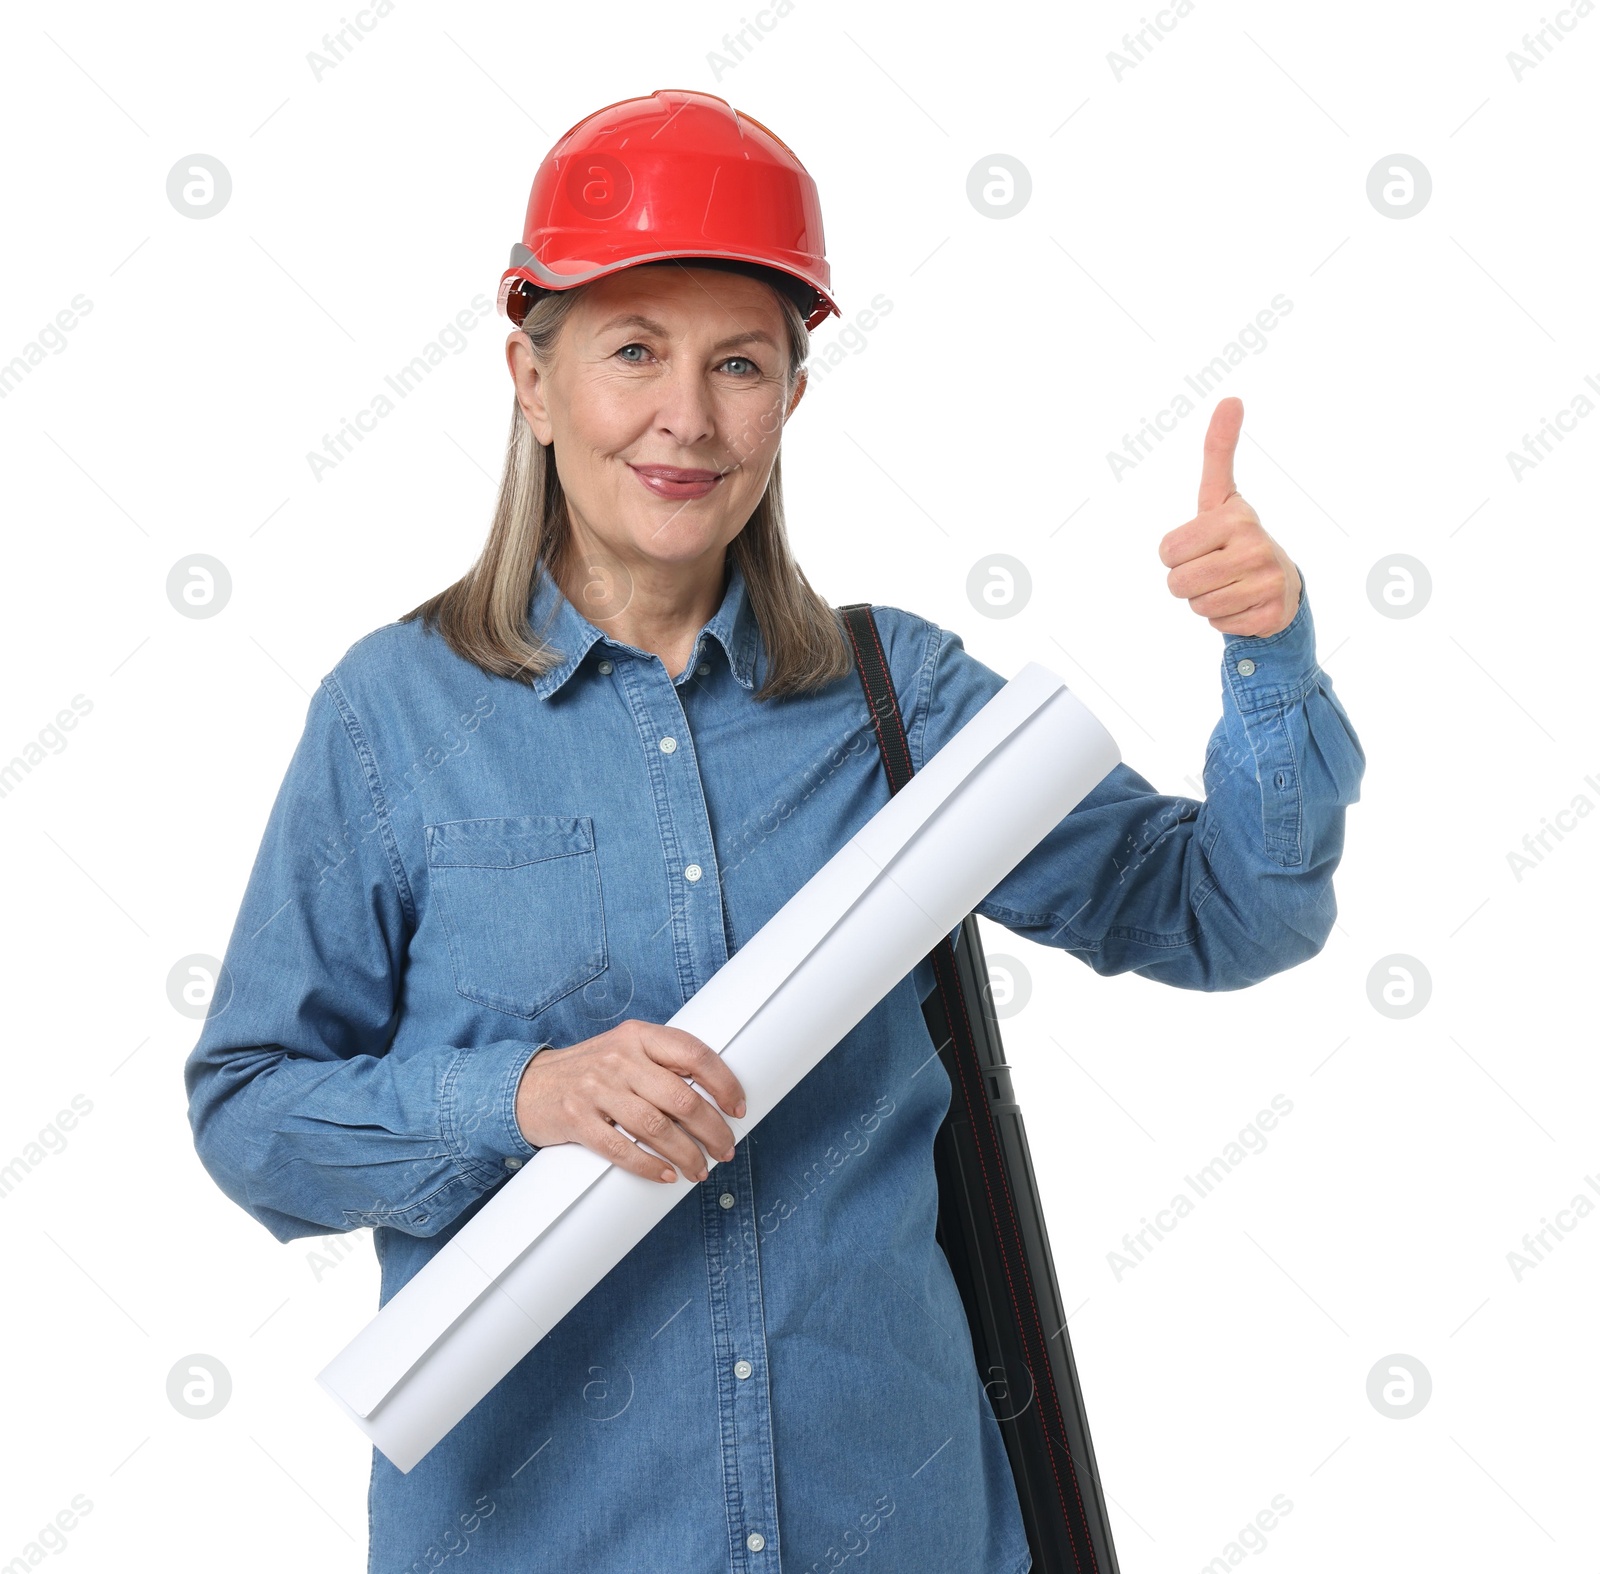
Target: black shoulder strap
pixel 873 666
pixel 991 1223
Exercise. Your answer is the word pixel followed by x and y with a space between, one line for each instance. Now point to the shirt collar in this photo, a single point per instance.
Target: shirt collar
pixel 554 618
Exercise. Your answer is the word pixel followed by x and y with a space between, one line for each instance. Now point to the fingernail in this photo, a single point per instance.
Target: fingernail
pixel 738 1109
pixel 727 1158
pixel 667 1175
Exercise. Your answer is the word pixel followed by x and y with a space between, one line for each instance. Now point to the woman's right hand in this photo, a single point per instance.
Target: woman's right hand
pixel 634 1075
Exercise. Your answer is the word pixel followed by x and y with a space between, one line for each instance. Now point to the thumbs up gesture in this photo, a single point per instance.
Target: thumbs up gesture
pixel 1222 562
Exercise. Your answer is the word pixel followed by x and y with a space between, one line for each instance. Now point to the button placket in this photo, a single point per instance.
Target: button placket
pixel 739 1353
pixel 737 1329
pixel 694 899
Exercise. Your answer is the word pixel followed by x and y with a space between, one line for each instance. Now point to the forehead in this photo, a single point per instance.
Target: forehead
pixel 684 299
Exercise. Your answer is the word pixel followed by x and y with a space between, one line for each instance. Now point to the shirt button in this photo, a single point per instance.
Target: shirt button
pixel 703 668
pixel 1245 667
pixel 513 1164
pixel 726 1199
pixel 605 666
pixel 668 745
pixel 755 1541
pixel 742 1369
pixel 692 872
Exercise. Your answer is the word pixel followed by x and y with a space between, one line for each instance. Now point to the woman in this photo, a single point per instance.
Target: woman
pixel 531 818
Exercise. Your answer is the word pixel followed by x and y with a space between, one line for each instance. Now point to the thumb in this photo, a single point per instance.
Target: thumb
pixel 1222 437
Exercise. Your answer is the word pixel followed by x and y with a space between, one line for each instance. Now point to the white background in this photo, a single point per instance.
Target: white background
pixel 1168 207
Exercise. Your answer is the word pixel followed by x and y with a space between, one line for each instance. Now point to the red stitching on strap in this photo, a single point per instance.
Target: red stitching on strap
pixel 872 710
pixel 899 731
pixel 949 983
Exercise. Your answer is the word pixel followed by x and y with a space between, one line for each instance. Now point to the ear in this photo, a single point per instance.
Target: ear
pixel 797 395
pixel 528 381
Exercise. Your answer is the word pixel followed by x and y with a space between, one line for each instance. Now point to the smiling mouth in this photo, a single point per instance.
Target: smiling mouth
pixel 670 481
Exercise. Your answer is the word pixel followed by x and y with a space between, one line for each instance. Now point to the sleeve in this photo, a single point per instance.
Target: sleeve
pixel 1210 895
pixel 299 1111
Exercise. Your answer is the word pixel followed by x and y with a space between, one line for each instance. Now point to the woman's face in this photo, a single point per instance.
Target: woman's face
pixel 661 369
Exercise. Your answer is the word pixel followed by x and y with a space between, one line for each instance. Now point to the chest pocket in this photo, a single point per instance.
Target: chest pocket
pixel 519 900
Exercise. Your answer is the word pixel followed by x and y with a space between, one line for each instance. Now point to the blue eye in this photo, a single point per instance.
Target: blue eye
pixel 631 347
pixel 747 361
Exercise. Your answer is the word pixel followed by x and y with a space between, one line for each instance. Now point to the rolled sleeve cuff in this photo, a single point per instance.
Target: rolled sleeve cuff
pixel 480 1103
pixel 1269 671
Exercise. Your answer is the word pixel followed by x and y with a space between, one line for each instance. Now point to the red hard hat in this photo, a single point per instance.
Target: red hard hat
pixel 678 174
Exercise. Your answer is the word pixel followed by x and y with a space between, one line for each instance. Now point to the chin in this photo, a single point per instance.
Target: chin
pixel 677 538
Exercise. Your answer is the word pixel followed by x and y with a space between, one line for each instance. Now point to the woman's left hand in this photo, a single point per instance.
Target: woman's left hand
pixel 1222 562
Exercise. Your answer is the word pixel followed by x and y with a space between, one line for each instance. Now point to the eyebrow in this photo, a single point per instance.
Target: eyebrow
pixel 635 320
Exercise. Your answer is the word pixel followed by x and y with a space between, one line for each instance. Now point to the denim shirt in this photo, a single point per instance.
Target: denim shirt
pixel 461 869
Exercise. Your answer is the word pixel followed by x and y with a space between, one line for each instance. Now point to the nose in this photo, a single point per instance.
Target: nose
pixel 687 411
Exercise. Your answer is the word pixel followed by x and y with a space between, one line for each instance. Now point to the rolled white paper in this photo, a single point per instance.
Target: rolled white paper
pixel 773 1010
